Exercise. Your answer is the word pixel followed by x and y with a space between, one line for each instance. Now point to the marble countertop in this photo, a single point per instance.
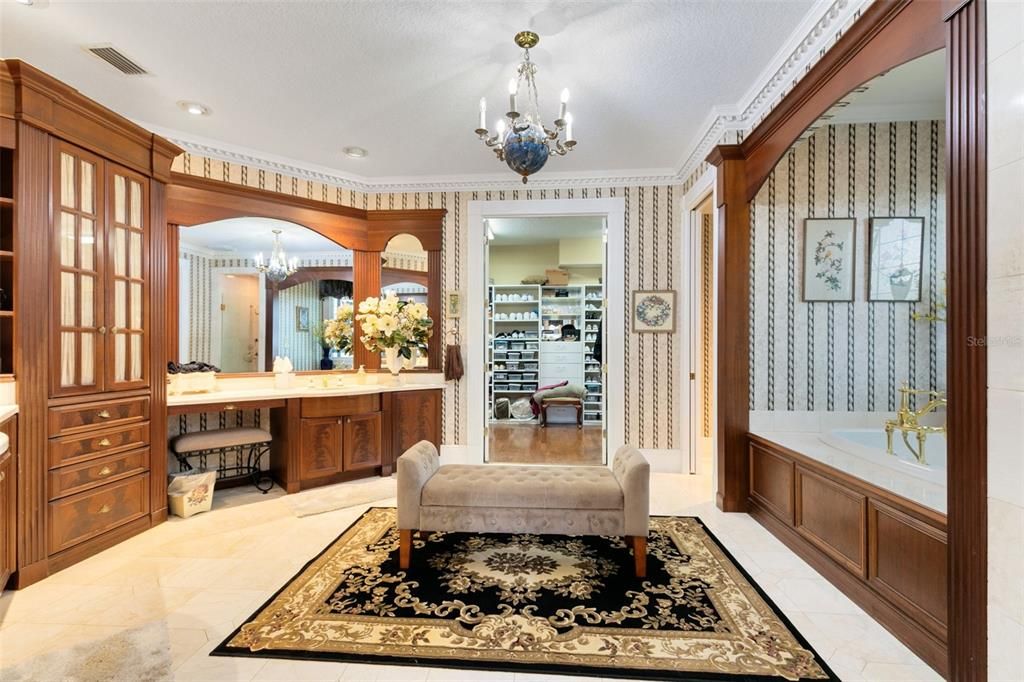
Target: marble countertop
pixel 260 388
pixel 7 411
pixel 911 487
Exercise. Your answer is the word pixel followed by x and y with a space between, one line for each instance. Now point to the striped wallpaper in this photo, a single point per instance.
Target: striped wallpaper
pixel 652 376
pixel 846 356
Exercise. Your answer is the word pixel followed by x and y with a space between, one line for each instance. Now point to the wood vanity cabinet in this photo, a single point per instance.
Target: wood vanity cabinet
pixel 8 509
pixel 90 285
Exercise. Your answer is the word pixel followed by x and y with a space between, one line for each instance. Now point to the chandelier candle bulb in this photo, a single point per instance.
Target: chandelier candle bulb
pixel 568 128
pixel 512 96
pixel 483 114
pixel 565 103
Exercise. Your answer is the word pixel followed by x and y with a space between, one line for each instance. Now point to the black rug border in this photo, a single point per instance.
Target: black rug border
pixel 223 649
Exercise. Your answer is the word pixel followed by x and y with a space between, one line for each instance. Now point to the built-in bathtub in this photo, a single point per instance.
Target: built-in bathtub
pixel 870 445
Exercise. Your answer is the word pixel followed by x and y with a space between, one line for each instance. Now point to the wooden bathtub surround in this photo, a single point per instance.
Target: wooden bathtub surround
pixel 885 35
pixel 82 170
pixel 886 553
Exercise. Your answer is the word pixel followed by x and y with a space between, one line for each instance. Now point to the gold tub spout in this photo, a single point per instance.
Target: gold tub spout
pixel 907 420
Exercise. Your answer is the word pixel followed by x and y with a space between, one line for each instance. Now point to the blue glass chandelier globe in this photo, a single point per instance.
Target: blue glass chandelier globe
pixel 526 151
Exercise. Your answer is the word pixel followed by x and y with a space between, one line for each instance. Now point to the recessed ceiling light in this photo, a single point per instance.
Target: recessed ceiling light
pixel 355 152
pixel 25 2
pixel 194 108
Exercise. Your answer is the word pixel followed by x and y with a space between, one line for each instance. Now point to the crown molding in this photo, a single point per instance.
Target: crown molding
pixel 820 28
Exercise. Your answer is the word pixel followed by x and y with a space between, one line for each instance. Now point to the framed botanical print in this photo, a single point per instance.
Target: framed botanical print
pixel 829 259
pixel 654 311
pixel 895 248
pixel 301 318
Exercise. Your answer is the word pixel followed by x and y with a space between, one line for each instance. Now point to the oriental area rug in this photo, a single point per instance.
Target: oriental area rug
pixel 532 603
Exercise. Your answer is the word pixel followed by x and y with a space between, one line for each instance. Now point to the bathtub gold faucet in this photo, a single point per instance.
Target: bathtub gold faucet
pixel 907 417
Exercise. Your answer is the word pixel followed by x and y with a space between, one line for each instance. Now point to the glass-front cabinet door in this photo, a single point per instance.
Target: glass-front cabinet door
pixel 77 308
pixel 127 242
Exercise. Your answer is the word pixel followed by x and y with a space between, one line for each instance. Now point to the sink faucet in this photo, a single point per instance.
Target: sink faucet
pixel 906 420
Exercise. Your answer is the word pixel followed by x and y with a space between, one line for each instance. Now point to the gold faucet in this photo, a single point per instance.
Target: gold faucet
pixel 906 420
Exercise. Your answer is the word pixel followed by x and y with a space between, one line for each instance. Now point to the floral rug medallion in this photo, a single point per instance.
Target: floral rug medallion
pixel 532 603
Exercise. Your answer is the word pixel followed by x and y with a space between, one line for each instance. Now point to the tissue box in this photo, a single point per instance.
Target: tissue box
pixel 193 382
pixel 189 494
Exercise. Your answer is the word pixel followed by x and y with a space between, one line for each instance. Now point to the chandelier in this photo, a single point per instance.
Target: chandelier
pixel 278 268
pixel 523 142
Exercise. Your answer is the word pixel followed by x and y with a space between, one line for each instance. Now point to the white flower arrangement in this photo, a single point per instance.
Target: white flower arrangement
pixel 388 322
pixel 337 332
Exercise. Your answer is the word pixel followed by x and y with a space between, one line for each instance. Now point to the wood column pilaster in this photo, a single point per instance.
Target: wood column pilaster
pixel 366 265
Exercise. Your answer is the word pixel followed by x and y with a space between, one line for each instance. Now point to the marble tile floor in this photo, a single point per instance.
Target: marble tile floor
pixel 174 592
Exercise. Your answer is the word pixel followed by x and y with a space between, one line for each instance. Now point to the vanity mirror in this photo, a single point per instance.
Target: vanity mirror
pixel 255 288
pixel 403 272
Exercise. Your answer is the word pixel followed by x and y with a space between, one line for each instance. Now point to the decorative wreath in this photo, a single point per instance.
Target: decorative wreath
pixel 653 311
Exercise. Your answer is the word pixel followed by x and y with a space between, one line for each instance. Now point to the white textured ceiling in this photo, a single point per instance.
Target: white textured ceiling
pixel 302 80
pixel 915 91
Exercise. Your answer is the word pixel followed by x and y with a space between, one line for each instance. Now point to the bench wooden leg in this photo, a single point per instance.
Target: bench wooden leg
pixel 404 547
pixel 639 544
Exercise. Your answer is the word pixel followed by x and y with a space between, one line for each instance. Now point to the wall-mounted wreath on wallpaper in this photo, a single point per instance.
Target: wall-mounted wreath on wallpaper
pixel 654 311
pixel 829 249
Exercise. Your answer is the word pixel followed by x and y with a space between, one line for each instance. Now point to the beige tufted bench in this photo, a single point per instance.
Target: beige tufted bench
pixel 495 498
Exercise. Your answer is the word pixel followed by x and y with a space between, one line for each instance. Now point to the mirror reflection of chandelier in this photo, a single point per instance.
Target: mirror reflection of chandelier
pixel 278 268
pixel 523 142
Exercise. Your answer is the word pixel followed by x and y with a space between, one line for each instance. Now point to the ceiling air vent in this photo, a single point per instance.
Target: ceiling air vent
pixel 111 55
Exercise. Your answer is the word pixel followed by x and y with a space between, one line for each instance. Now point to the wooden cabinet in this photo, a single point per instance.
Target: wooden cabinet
pixel 321 453
pixel 98 297
pixel 89 337
pixel 362 442
pixel 415 416
pixel 8 508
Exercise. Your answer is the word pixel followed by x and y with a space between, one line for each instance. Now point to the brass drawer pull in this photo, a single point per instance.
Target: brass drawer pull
pixel 105 471
pixel 102 330
pixel 105 509
pixel 103 414
pixel 228 407
pixel 104 442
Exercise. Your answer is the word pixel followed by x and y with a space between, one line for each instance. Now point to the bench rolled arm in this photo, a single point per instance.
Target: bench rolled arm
pixel 634 476
pixel 415 467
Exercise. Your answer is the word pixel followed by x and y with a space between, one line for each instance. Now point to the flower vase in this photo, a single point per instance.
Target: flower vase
pixel 393 361
pixel 326 362
pixel 410 363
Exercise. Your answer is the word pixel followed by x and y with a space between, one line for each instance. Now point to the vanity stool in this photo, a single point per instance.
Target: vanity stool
pixel 545 403
pixel 245 445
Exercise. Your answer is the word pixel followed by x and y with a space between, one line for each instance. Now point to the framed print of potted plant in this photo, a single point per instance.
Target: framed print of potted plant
pixel 301 318
pixel 654 311
pixel 829 259
pixel 896 254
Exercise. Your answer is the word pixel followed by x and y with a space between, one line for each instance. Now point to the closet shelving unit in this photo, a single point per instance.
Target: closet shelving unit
pixel 593 379
pixel 513 360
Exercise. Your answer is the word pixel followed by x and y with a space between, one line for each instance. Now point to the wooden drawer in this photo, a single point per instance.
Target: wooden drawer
pixel 340 406
pixel 68 419
pixel 79 517
pixel 78 477
pixel 83 447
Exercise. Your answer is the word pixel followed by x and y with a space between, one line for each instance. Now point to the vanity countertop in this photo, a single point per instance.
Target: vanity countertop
pixel 7 411
pixel 260 388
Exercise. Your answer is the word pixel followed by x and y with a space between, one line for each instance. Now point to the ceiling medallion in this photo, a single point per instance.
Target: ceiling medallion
pixel 523 142
pixel 278 268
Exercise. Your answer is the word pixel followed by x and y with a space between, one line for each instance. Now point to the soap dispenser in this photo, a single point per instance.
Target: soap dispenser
pixel 361 375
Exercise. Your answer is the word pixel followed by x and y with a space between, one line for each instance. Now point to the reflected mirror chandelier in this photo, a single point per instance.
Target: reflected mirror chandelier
pixel 279 267
pixel 522 141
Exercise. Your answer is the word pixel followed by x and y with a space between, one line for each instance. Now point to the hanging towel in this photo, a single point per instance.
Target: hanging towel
pixel 453 363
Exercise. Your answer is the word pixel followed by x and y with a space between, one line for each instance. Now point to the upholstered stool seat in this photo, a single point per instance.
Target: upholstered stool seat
pixel 219 438
pixel 495 498
pixel 239 452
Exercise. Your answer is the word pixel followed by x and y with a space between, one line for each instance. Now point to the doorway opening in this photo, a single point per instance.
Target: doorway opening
pixel 545 340
pixel 701 319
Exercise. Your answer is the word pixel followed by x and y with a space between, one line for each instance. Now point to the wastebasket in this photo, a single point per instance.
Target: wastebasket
pixel 190 493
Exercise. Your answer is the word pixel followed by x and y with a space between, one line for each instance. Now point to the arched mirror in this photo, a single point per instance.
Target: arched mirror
pixel 404 272
pixel 251 289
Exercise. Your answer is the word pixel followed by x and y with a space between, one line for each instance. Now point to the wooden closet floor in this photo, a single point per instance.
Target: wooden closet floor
pixel 553 444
